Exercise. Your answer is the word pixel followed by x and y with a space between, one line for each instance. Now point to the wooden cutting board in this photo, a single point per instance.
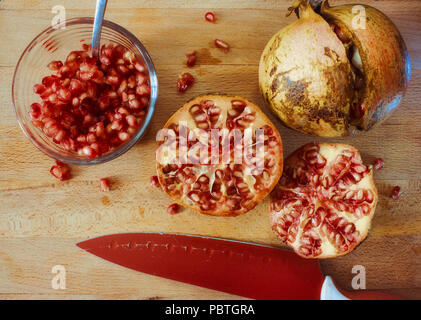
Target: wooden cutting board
pixel 41 218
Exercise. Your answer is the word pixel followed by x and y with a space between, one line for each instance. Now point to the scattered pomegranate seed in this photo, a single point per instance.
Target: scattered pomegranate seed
pixel 191 58
pixel 104 184
pixel 185 81
pixel 222 45
pixel 154 181
pixel 89 106
pixel 378 164
pixel 210 16
pixel 396 192
pixel 61 171
pixel 173 208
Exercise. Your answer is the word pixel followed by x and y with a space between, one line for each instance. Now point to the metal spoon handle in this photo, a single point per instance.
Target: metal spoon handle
pixel 99 17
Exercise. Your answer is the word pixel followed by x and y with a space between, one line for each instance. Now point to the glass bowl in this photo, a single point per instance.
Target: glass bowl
pixel 56 44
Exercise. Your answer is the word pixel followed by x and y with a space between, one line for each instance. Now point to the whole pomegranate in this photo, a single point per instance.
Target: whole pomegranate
pixel 324 202
pixel 219 155
pixel 328 70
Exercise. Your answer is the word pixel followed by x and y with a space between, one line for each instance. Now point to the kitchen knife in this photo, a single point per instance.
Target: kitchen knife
pixel 240 268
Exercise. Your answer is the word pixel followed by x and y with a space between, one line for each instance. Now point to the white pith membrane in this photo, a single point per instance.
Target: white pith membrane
pixel 324 202
pixel 354 57
pixel 219 187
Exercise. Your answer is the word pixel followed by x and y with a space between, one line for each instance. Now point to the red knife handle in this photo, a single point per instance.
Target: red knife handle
pixel 330 291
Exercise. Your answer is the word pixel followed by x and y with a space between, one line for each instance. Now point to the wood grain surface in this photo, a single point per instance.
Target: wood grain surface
pixel 41 218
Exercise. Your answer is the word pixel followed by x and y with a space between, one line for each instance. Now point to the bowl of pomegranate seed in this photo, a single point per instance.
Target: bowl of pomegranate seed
pixel 77 109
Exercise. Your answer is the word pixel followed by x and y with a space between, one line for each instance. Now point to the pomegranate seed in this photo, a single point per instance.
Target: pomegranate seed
pixel 59 137
pixel 39 88
pixel 53 98
pixel 61 171
pixel 68 144
pixel 134 104
pixel 210 16
pixel 64 94
pixel 122 110
pixel 100 129
pixel 131 131
pixel 131 120
pixel 185 81
pixel 143 90
pixel 191 58
pixel 128 57
pixel 105 60
pixel 139 79
pixel 75 86
pixel 139 67
pixel 85 76
pixel 378 164
pixel 123 136
pixel 35 111
pixel 81 139
pixel 173 208
pixel 123 87
pixel 55 65
pixel 104 184
pixel 122 69
pixel 154 182
pixel 396 192
pixel 95 147
pixel 48 80
pixel 65 83
pixel 88 151
pixel 222 45
pixel 116 125
pixel 91 138
pixel 107 52
pixel 113 80
pixel 72 56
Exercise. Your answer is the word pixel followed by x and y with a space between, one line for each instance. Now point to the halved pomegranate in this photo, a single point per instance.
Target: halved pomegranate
pixel 219 155
pixel 322 74
pixel 325 200
pixel 380 76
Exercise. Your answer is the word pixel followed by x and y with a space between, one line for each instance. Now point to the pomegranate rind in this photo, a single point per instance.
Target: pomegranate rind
pixel 180 195
pixel 305 77
pixel 386 71
pixel 317 219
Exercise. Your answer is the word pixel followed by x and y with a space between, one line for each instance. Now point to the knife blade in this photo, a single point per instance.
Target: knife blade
pixel 241 268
